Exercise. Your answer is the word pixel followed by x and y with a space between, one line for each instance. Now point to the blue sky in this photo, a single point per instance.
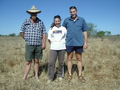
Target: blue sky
pixel 103 13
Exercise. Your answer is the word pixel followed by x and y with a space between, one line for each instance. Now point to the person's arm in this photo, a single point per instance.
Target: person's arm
pixel 22 34
pixel 85 28
pixel 43 35
pixel 44 41
pixel 22 30
pixel 85 39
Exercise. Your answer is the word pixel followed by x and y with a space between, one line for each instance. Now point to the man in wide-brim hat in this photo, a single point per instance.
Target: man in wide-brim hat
pixel 34 33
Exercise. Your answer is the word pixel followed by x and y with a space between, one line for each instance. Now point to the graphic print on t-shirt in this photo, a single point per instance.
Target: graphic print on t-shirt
pixel 57 32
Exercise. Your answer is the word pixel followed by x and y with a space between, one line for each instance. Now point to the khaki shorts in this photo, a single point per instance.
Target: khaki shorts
pixel 33 52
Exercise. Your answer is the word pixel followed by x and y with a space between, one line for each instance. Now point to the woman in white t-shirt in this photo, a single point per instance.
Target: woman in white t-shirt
pixel 56 38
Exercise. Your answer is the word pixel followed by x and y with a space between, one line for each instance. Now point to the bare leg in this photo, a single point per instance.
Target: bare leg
pixel 69 57
pixel 79 64
pixel 27 69
pixel 79 59
pixel 36 67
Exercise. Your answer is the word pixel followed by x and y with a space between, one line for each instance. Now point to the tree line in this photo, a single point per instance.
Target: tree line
pixel 12 35
pixel 92 31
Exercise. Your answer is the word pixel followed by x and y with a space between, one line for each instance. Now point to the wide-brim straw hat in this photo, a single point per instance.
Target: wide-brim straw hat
pixel 33 10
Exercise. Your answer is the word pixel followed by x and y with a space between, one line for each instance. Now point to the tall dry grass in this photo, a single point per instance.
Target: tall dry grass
pixel 101 67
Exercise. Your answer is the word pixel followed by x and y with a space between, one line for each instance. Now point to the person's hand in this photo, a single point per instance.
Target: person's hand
pixel 85 46
pixel 43 46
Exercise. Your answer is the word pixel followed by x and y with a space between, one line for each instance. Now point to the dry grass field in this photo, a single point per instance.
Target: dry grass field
pixel 101 63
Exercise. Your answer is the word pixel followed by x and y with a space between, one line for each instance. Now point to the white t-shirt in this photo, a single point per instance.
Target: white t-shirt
pixel 57 36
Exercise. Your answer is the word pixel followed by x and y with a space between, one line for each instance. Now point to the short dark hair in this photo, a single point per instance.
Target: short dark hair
pixel 73 7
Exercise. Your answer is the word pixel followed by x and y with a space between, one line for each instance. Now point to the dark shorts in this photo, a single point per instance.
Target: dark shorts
pixel 74 48
pixel 33 52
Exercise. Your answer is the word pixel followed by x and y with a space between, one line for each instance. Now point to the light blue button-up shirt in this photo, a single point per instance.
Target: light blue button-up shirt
pixel 75 31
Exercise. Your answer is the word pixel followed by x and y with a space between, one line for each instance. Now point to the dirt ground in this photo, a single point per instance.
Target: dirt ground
pixel 101 67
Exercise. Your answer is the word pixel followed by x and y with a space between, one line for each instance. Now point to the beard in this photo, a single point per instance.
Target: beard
pixel 73 16
pixel 33 18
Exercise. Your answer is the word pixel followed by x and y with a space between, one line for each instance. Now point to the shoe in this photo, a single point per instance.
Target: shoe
pixel 49 81
pixel 81 78
pixel 60 78
pixel 69 78
pixel 37 78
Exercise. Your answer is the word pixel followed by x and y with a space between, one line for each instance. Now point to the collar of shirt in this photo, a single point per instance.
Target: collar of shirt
pixel 36 20
pixel 72 19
